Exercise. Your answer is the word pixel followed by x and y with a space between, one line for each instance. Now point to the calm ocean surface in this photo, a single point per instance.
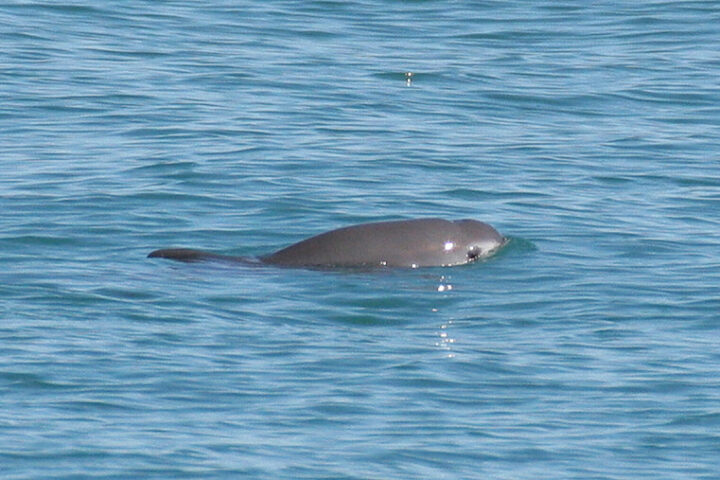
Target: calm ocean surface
pixel 588 348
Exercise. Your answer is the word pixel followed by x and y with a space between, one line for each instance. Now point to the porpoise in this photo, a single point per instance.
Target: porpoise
pixel 426 242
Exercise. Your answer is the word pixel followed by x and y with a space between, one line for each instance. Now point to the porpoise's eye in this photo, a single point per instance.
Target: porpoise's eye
pixel 473 254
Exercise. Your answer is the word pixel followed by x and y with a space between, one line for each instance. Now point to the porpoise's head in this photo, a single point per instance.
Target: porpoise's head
pixel 478 239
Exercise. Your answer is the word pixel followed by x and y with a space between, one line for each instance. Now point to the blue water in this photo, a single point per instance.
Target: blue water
pixel 588 133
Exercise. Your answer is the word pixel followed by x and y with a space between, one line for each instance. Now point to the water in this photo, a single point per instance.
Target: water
pixel 589 134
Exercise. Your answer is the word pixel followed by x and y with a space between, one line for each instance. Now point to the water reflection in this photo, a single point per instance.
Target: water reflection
pixel 445 341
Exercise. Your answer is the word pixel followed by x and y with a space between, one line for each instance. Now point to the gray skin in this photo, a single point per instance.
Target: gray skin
pixel 429 242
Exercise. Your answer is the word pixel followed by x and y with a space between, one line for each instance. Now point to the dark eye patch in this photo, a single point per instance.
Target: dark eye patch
pixel 473 254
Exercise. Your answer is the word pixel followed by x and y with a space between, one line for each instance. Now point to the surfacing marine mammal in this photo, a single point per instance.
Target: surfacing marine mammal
pixel 426 242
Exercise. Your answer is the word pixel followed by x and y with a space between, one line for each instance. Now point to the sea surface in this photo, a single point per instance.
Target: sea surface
pixel 586 132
